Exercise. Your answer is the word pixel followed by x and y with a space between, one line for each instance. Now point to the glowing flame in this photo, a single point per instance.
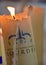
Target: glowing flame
pixel 11 10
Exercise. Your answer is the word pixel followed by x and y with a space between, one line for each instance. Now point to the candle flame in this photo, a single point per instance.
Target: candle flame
pixel 11 10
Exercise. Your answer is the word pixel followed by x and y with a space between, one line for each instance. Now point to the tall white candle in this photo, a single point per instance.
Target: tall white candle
pixel 2 49
pixel 24 42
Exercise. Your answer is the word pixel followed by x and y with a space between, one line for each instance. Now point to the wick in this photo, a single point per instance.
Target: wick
pixel 13 17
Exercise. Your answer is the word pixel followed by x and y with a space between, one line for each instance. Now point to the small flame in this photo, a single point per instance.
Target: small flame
pixel 11 10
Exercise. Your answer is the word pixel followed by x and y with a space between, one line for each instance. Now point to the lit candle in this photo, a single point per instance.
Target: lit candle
pixel 23 41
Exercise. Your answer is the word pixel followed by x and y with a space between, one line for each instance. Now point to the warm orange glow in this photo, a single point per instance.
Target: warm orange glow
pixel 0 31
pixel 11 10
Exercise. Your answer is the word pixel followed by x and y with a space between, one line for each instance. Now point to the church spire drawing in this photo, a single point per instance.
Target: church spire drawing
pixel 20 35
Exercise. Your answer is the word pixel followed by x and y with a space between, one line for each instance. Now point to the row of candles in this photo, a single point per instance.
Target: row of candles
pixel 18 36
